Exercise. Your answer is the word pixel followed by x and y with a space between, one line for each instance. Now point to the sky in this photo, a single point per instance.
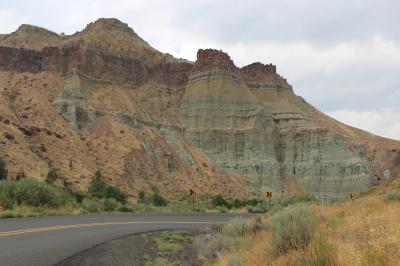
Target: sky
pixel 342 56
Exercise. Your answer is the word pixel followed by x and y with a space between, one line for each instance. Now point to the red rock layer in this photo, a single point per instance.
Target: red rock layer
pixel 172 74
pixel 20 59
pixel 258 72
pixel 95 64
pixel 210 59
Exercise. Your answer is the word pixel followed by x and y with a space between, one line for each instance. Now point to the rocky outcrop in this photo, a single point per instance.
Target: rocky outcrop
pixel 94 64
pixel 210 59
pixel 19 59
pixel 172 74
pixel 258 75
pixel 31 37
pixel 206 124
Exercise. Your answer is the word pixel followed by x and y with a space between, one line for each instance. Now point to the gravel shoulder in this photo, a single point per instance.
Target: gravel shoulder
pixel 166 247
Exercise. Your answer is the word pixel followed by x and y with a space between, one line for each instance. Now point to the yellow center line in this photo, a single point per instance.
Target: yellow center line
pixel 60 227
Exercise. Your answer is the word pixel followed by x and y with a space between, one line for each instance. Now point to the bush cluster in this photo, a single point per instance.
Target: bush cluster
pixel 32 193
pixel 100 189
pixel 221 202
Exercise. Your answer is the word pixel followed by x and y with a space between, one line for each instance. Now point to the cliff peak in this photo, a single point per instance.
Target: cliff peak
pixel 259 72
pixel 31 37
pixel 212 59
pixel 110 24
pixel 32 29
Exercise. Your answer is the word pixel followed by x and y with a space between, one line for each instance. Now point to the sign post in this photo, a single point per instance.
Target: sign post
pixel 268 194
pixel 192 193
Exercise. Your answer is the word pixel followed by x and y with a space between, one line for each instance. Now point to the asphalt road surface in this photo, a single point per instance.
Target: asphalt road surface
pixel 48 240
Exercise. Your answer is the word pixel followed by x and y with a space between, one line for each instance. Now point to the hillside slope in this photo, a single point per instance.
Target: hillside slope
pixel 104 99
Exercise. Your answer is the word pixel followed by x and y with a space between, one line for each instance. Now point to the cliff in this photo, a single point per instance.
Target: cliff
pixel 103 98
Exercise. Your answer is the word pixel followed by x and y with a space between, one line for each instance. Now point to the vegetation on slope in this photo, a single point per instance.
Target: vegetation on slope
pixel 361 231
pixel 24 196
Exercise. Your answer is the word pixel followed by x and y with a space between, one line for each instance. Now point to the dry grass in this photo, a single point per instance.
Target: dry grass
pixel 363 231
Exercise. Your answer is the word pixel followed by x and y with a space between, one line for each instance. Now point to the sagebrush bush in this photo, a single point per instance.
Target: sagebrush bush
pixel 32 193
pixel 110 204
pixel 20 176
pixel 238 227
pixel 158 200
pixel 292 228
pixel 99 188
pixel 237 233
pixel 3 170
pixel 393 195
pixel 91 205
pixel 116 193
pixel 297 199
pixel 52 176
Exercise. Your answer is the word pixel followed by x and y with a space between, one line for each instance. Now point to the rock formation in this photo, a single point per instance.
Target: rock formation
pixel 104 99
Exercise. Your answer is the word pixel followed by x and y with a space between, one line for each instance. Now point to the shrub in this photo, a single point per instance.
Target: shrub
pixel 142 197
pixel 158 200
pixel 52 176
pixel 219 201
pixel 231 236
pixel 222 209
pixel 393 195
pixel 3 170
pixel 238 203
pixel 259 208
pixel 32 193
pixel 116 193
pixel 8 214
pixel 98 188
pixel 292 228
pixel 110 204
pixel 91 205
pixel 20 176
pixel 7 194
pixel 297 199
pixel 97 185
pixel 124 208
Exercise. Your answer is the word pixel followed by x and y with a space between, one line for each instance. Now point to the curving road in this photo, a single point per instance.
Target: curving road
pixel 48 240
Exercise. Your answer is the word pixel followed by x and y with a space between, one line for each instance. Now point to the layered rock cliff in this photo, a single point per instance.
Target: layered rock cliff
pixel 104 99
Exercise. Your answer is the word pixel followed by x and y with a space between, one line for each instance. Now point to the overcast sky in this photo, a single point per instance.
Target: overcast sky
pixel 341 56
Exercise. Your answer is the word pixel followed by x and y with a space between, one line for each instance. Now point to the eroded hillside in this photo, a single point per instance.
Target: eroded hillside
pixel 104 99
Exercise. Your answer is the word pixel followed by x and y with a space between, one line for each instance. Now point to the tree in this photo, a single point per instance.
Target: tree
pixel 142 197
pixel 116 193
pixel 158 200
pixel 3 170
pixel 97 186
pixel 52 176
pixel 20 176
pixel 219 201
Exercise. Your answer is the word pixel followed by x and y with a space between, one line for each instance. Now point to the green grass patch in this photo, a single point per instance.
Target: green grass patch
pixel 160 261
pixel 172 240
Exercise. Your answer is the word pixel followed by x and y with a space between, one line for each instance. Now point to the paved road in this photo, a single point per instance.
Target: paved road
pixel 48 240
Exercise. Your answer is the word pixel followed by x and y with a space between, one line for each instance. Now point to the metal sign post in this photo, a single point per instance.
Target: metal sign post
pixel 268 194
pixel 192 193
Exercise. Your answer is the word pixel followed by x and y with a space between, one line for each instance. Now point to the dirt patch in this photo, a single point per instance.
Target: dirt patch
pixel 169 247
